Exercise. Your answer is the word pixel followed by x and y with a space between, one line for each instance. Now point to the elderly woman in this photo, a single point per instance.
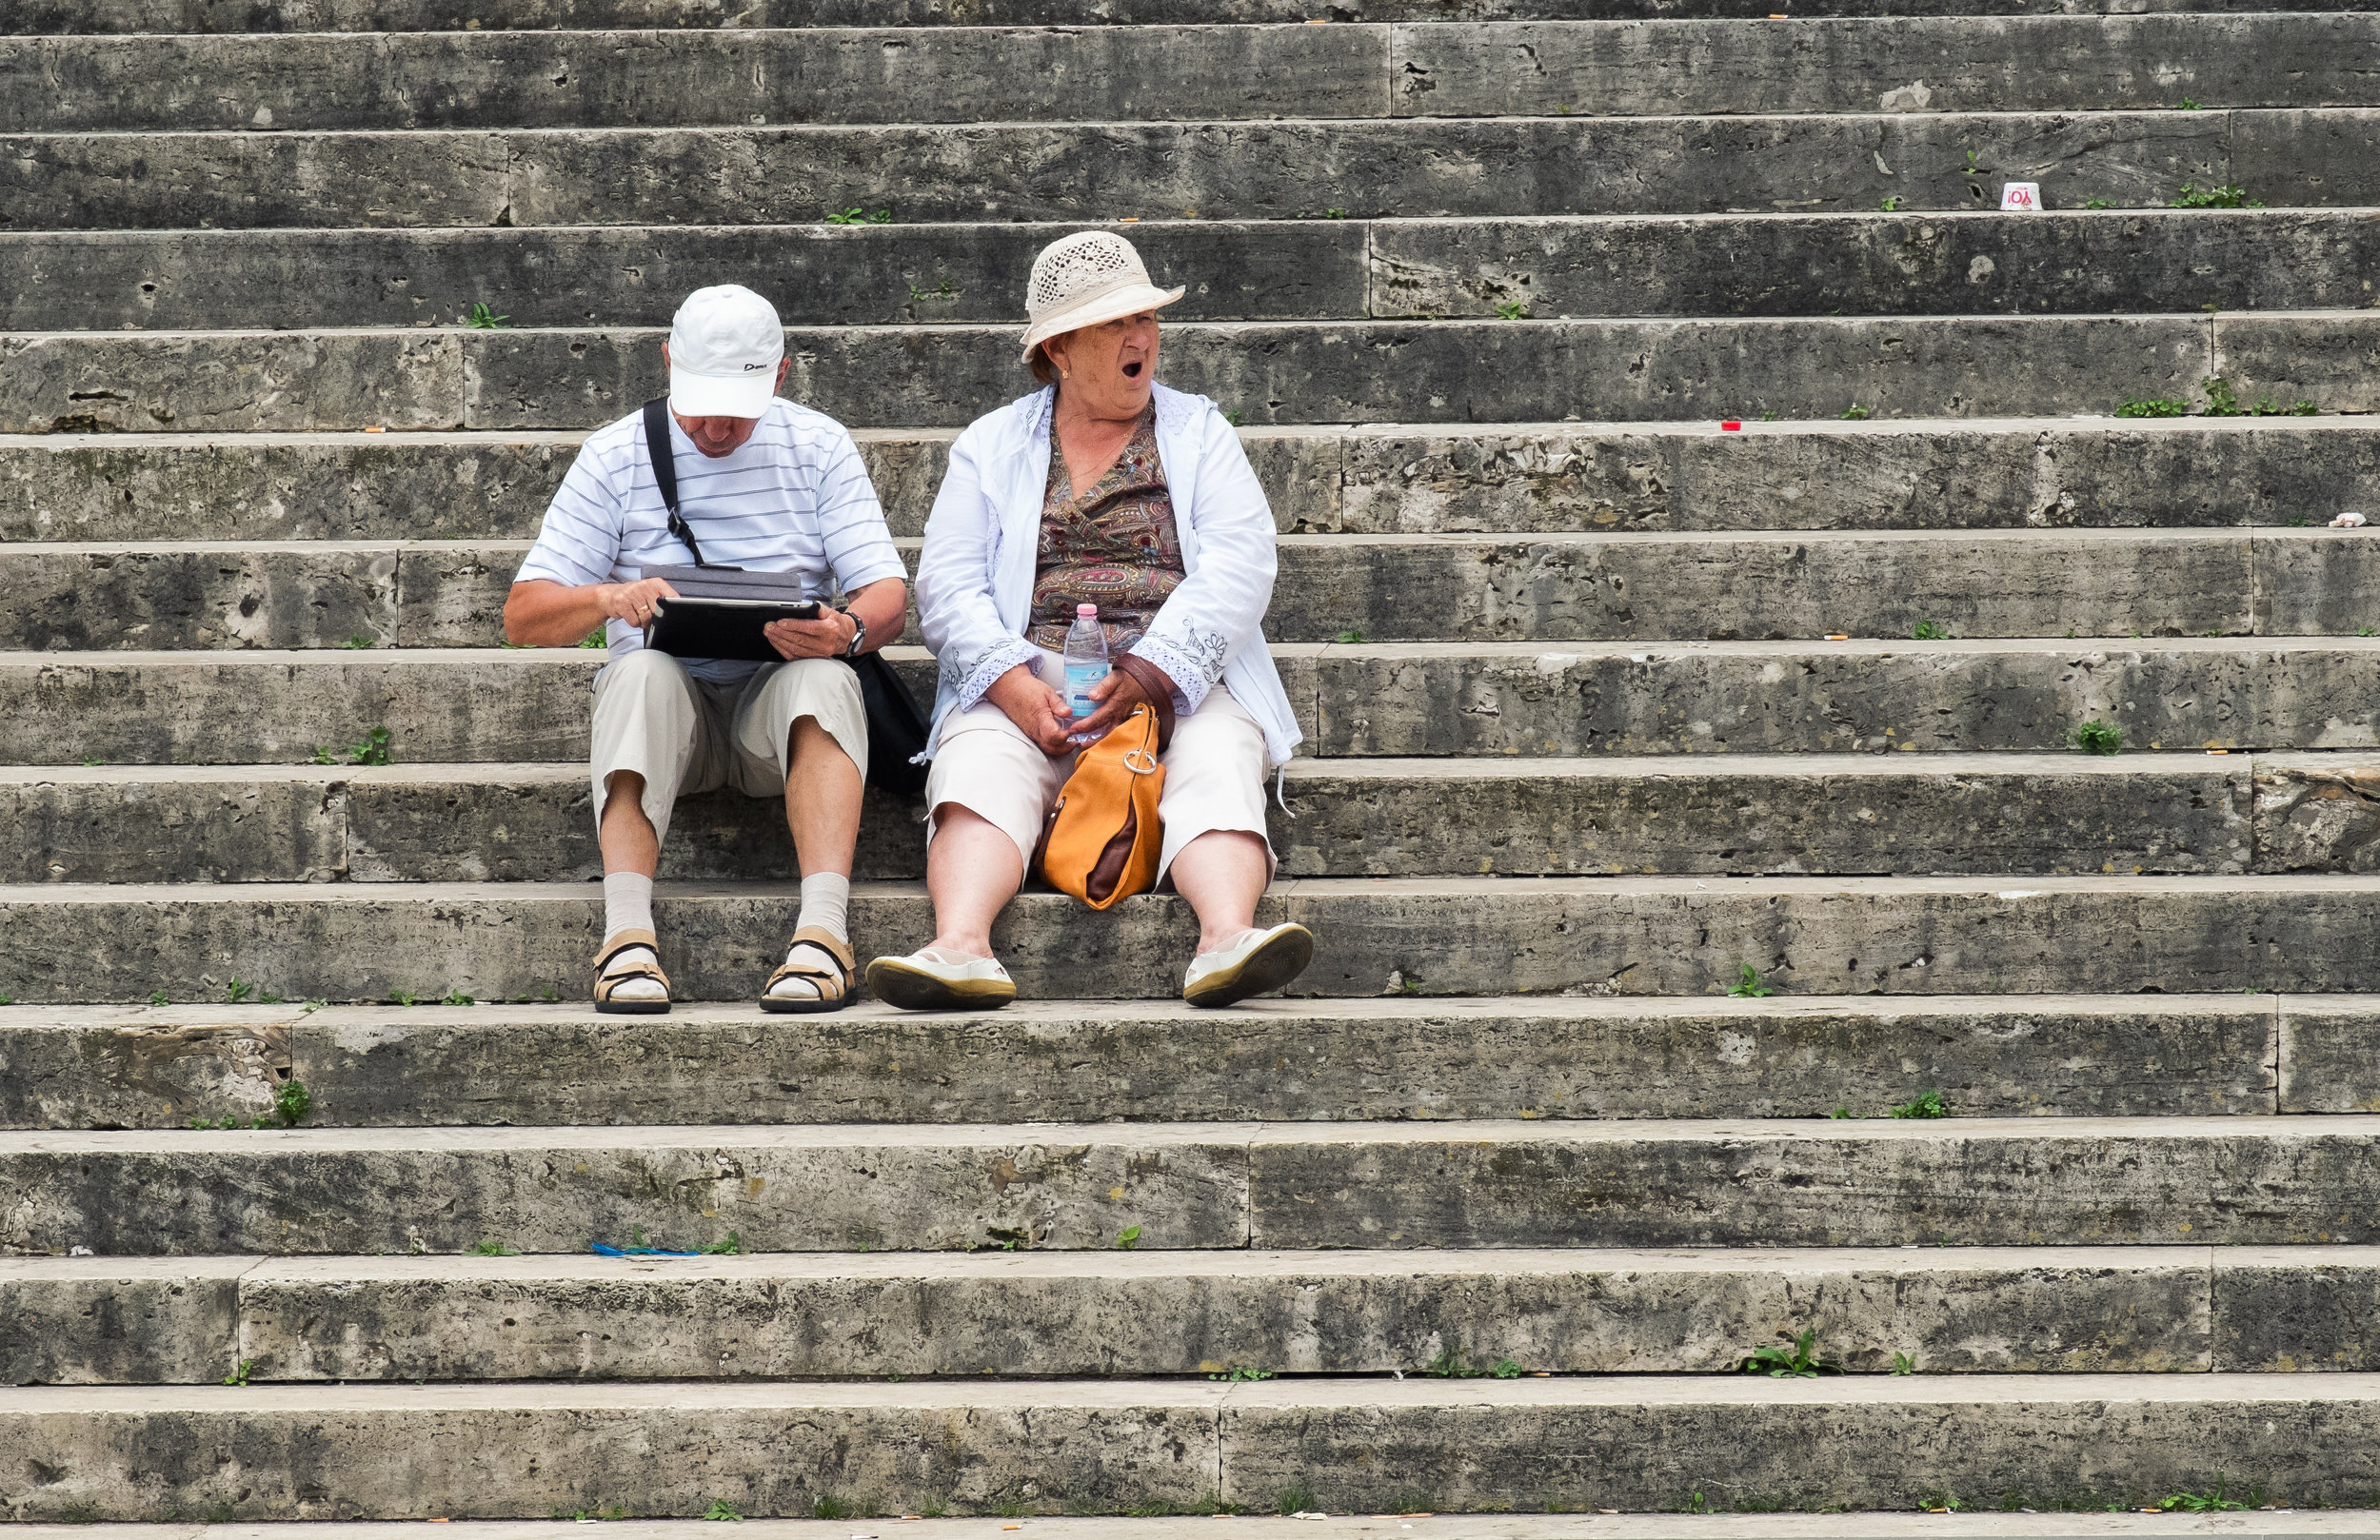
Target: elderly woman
pixel 1104 487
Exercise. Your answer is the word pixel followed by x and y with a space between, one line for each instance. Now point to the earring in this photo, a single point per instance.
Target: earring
pixel 1063 375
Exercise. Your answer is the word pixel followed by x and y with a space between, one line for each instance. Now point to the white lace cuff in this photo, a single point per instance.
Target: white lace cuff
pixel 1190 680
pixel 996 663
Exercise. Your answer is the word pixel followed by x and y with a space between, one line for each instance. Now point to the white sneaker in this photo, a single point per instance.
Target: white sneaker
pixel 927 980
pixel 1258 960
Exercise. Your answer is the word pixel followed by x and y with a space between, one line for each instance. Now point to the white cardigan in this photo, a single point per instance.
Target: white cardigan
pixel 983 543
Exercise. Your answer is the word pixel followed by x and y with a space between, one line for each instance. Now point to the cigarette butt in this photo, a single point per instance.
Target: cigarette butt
pixel 375 430
pixel 1838 636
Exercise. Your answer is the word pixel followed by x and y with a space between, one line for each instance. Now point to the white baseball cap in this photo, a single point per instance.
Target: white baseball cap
pixel 724 345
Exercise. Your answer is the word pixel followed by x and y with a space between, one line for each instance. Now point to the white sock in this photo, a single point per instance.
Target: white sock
pixel 628 906
pixel 627 903
pixel 826 903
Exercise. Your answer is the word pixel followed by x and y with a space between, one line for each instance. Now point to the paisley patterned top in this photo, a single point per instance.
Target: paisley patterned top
pixel 1115 547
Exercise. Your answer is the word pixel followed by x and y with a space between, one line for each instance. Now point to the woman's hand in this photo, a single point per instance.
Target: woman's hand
pixel 1035 707
pixel 1118 695
pixel 826 637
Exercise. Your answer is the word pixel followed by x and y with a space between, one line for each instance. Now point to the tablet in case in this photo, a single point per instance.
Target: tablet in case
pixel 719 612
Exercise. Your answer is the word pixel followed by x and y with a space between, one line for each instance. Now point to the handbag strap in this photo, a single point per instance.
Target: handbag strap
pixel 664 457
pixel 1160 690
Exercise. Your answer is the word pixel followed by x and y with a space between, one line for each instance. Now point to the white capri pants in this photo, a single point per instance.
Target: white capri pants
pixel 1214 775
pixel 685 736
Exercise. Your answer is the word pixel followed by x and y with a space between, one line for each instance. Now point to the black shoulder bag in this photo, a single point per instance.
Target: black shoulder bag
pixel 895 728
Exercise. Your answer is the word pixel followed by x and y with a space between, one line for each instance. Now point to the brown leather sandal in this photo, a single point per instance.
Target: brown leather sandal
pixel 839 981
pixel 608 980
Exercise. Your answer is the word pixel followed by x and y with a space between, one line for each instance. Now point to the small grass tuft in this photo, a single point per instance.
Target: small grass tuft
pixel 2153 406
pixel 1904 1364
pixel 730 1244
pixel 1929 631
pixel 2098 737
pixel 1854 413
pixel 238 993
pixel 720 1512
pixel 1127 1237
pixel 856 216
pixel 1295 1498
pixel 2219 1500
pixel 2231 195
pixel 1748 985
pixel 1350 639
pixel 493 1248
pixel 483 317
pixel 292 1101
pixel 239 1375
pixel 372 750
pixel 1924 1104
pixel 1511 310
pixel 1241 1375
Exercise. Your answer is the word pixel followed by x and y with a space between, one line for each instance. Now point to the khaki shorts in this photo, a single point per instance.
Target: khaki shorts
pixel 685 736
pixel 1214 776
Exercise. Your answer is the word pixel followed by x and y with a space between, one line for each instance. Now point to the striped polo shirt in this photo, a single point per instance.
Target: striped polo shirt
pixel 795 499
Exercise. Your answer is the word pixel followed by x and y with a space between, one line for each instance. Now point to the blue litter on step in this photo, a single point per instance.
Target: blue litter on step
pixel 601 1250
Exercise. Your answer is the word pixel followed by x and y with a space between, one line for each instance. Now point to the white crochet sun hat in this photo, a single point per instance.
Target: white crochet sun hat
pixel 1083 279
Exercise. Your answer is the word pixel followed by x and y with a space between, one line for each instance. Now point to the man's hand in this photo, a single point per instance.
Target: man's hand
pixel 826 637
pixel 1117 695
pixel 633 602
pixel 1034 706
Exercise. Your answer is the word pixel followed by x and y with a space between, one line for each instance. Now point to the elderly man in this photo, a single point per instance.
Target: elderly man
pixel 765 485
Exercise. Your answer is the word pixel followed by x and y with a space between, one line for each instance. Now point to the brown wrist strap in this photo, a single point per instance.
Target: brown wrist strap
pixel 1158 687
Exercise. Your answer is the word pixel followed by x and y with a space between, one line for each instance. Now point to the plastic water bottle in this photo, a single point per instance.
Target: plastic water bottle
pixel 1086 659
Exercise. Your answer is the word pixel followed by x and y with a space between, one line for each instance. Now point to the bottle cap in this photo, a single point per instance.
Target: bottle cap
pixel 1086 612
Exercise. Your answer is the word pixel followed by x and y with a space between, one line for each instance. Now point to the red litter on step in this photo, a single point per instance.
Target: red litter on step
pixel 1731 427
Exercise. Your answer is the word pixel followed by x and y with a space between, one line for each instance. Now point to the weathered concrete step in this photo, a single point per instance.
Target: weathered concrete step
pixel 1499 1524
pixel 285 16
pixel 1542 478
pixel 66 943
pixel 1742 1441
pixel 1509 167
pixel 983 74
pixel 1379 701
pixel 1094 1062
pixel 1720 814
pixel 1545 588
pixel 1277 372
pixel 1393 1186
pixel 2096 1309
pixel 1701 265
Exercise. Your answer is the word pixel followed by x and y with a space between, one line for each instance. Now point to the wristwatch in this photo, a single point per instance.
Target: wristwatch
pixel 859 633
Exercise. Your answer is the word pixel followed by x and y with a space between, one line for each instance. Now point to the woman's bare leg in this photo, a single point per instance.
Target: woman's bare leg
pixel 1222 874
pixel 972 870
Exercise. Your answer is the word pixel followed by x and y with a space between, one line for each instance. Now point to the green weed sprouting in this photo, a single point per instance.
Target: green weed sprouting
pixel 1798 1359
pixel 1748 985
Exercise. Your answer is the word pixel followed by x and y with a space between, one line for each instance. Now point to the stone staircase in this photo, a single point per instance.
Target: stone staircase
pixel 1608 711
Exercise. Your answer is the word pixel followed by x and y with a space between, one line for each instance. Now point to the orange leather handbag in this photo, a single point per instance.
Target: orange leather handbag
pixel 1103 839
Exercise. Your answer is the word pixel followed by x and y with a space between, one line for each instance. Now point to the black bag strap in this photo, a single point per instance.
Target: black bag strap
pixel 665 457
